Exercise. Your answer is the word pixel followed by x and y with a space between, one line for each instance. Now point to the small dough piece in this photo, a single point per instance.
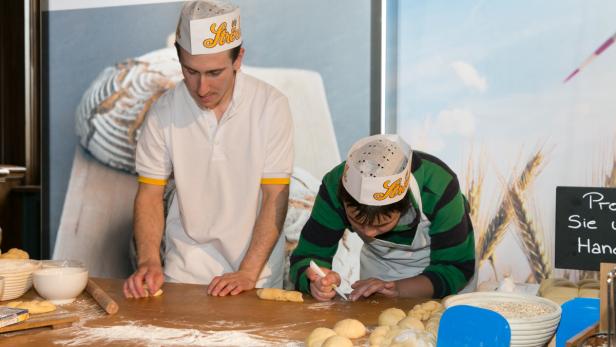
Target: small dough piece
pixel 279 295
pixel 337 341
pixel 34 306
pixel 378 335
pixel 15 253
pixel 411 323
pixel 391 316
pixel 351 328
pixel 318 336
pixel 159 292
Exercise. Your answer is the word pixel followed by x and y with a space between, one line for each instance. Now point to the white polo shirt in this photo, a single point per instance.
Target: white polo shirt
pixel 218 168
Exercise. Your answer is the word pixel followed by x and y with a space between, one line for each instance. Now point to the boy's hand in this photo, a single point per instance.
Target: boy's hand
pixel 370 286
pixel 322 288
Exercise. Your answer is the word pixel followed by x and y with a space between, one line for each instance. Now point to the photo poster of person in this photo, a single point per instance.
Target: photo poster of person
pixel 116 58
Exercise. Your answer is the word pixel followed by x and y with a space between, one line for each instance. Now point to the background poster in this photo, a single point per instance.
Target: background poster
pixel 481 86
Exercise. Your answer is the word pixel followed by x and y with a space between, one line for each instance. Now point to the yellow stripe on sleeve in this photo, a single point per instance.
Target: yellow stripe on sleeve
pixel 276 180
pixel 154 181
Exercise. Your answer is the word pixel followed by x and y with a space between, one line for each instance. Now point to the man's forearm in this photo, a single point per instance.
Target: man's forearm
pixel 267 229
pixel 148 226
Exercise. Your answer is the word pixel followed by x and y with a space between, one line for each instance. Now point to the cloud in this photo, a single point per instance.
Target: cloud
pixel 456 121
pixel 469 76
pixel 424 136
pixel 431 135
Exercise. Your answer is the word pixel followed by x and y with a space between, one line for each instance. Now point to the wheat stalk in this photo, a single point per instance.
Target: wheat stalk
pixel 473 192
pixel 533 247
pixel 495 230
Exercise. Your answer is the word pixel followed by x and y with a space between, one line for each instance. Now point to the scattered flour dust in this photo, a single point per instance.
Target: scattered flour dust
pixel 151 335
pixel 321 305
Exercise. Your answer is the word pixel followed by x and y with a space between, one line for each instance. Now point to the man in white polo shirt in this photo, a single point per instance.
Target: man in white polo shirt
pixel 227 140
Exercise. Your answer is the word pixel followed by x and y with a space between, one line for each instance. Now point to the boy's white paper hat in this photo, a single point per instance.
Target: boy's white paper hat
pixel 378 169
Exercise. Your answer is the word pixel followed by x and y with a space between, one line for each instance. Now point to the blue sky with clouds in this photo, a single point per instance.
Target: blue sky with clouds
pixel 488 75
pixel 477 71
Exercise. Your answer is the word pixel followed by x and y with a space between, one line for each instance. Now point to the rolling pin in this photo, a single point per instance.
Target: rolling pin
pixel 102 298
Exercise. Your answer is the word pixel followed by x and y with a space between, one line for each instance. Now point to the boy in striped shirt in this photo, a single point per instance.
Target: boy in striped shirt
pixel 408 209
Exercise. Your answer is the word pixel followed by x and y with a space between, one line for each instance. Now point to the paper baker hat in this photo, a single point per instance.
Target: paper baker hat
pixel 208 26
pixel 378 170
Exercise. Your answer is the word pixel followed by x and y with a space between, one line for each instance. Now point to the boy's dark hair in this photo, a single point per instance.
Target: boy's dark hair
pixel 367 214
pixel 233 52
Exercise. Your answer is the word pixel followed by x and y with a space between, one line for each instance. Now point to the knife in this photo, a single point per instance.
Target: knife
pixel 321 274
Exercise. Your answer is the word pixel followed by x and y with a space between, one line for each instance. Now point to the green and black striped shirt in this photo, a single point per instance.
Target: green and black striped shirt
pixel 452 246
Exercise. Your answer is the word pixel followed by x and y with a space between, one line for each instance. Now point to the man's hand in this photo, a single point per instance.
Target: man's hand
pixel 370 286
pixel 231 283
pixel 150 273
pixel 322 289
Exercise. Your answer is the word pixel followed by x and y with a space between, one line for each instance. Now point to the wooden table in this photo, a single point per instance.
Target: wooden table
pixel 186 306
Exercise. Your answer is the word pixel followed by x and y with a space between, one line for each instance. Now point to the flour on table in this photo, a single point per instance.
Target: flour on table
pixel 87 309
pixel 151 335
pixel 320 305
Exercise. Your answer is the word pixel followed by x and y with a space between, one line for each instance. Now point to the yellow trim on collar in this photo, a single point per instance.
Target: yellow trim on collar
pixel 275 180
pixel 154 181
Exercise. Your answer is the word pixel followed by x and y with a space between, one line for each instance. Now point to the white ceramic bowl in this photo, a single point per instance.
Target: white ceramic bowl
pixel 532 328
pixel 60 285
pixel 17 275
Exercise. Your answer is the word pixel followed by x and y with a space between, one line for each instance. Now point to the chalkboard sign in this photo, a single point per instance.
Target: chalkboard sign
pixel 585 227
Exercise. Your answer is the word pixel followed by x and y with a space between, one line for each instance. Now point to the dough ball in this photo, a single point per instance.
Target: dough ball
pixel 411 338
pixel 279 295
pixel 419 313
pixel 15 253
pixel 351 328
pixel 34 306
pixel 430 306
pixel 378 334
pixel 318 336
pixel 391 316
pixel 411 323
pixel 337 341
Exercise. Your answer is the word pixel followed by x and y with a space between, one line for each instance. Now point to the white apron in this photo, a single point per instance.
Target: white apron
pixel 390 261
pixel 187 261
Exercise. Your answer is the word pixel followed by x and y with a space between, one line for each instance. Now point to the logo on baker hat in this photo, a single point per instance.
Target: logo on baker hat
pixel 392 190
